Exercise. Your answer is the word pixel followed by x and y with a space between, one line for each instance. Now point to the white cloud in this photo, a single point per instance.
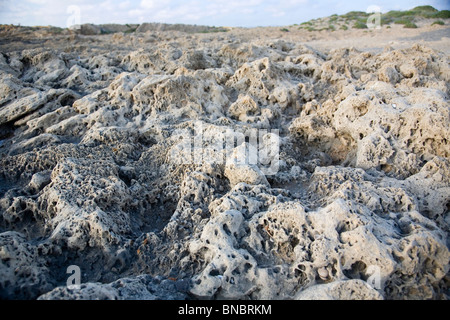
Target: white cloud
pixel 37 1
pixel 108 4
pixel 124 5
pixel 291 3
pixel 275 12
pixel 154 4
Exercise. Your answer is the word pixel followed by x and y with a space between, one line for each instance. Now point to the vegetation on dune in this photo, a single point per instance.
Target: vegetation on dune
pixel 439 22
pixel 443 14
pixel 358 19
pixel 359 25
pixel 351 20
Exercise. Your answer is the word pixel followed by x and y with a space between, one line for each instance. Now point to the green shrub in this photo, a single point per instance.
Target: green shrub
pixel 386 20
pixel 334 18
pixel 130 29
pixel 410 25
pixel 212 30
pixel 284 30
pixel 362 20
pixel 439 22
pixel 360 25
pixel 421 11
pixel 353 15
pixel 359 18
pixel 393 14
pixel 424 9
pixel 402 21
pixel 443 14
pixel 56 30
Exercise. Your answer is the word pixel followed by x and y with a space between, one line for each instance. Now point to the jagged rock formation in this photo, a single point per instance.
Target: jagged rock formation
pixel 113 160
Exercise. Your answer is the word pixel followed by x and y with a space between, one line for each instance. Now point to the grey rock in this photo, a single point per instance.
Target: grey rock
pixel 125 154
pixel 142 287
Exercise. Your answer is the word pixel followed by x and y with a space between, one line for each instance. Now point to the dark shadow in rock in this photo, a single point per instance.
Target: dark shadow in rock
pixel 155 218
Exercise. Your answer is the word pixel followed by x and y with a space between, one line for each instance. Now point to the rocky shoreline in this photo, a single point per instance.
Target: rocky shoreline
pixel 92 130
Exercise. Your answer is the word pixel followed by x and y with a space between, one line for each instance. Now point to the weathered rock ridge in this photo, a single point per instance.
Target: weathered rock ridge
pixel 94 171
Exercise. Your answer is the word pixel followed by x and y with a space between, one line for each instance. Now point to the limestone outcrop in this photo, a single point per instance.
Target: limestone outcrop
pixel 204 166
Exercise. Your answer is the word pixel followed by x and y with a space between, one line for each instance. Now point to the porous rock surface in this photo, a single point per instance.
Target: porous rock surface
pixel 93 171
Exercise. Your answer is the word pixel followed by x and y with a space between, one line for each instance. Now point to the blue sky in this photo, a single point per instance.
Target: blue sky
pixel 245 13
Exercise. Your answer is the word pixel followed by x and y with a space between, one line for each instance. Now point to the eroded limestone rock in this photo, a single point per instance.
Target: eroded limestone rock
pixel 145 161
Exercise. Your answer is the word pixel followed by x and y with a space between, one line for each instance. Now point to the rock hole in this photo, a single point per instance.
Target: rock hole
pixel 67 100
pixel 294 242
pixel 156 217
pixel 343 227
pixel 386 168
pixel 261 67
pixel 226 229
pixel 427 213
pixel 214 273
pixel 356 271
pixel 125 178
pixel 236 272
